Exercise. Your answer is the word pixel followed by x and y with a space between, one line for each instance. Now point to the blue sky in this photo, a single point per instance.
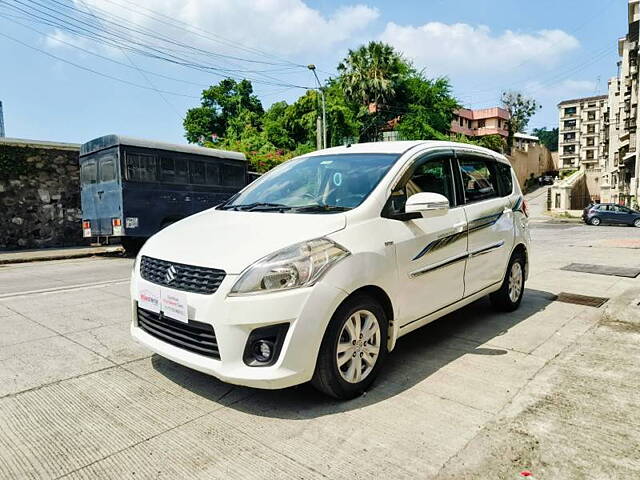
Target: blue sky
pixel 551 50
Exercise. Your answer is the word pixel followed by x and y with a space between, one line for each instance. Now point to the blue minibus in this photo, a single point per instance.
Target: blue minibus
pixel 132 188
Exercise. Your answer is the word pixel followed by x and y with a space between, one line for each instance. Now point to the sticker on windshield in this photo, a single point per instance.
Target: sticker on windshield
pixel 337 179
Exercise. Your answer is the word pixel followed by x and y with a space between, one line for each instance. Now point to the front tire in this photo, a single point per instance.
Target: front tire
pixel 595 221
pixel 353 349
pixel 508 298
pixel 636 223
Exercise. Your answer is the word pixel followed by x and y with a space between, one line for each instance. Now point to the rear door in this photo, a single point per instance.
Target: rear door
pixel 489 209
pixel 108 195
pixel 431 251
pixel 607 213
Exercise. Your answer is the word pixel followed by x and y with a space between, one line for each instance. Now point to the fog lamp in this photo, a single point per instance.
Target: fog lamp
pixel 263 351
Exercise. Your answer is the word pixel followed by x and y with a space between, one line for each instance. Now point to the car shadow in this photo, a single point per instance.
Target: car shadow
pixel 416 357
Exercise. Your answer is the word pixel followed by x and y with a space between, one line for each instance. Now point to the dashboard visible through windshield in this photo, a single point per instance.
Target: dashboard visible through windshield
pixel 324 183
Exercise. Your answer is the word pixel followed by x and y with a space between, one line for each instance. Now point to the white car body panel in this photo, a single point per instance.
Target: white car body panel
pixel 383 255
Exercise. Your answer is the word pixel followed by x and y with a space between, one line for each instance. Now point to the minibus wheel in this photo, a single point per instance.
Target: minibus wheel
pixel 508 298
pixel 353 349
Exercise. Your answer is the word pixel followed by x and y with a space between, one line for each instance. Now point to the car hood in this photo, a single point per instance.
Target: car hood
pixel 232 241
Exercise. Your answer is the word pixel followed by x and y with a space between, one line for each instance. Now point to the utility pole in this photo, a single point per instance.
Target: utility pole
pixel 1 122
pixel 312 67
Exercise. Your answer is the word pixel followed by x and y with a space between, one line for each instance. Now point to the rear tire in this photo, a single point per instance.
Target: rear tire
pixel 508 298
pixel 353 349
pixel 595 221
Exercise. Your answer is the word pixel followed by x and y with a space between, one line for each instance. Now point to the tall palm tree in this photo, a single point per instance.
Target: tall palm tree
pixel 371 74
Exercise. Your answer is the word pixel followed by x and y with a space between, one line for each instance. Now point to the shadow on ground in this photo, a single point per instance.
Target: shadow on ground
pixel 416 357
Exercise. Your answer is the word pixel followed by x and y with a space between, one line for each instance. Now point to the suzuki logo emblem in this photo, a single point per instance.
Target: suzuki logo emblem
pixel 170 276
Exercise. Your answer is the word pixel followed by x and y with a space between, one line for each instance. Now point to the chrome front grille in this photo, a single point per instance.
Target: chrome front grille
pixel 188 278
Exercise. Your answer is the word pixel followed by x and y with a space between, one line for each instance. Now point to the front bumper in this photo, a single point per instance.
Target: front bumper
pixel 307 310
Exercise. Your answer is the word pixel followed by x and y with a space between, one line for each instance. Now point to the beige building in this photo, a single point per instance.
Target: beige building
pixel 621 170
pixel 583 133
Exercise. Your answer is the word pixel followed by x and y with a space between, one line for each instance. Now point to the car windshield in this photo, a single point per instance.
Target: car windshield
pixel 317 184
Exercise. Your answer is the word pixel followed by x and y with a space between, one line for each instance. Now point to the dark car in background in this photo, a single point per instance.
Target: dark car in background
pixel 611 214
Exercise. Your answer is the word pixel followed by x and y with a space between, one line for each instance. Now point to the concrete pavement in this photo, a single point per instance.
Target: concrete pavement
pixel 79 399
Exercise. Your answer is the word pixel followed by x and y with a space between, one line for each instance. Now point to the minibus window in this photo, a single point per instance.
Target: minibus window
pixel 107 169
pixel 167 170
pixel 88 173
pixel 182 170
pixel 141 168
pixel 196 168
pixel 232 176
pixel 213 174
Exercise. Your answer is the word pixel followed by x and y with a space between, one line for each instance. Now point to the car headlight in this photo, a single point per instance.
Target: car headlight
pixel 299 265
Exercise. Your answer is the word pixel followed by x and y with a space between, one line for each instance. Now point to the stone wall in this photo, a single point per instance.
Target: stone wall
pixel 39 195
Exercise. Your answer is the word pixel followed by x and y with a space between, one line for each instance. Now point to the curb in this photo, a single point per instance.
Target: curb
pixel 61 256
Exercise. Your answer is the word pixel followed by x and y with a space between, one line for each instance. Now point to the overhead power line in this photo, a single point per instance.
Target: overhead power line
pixel 82 67
pixel 119 35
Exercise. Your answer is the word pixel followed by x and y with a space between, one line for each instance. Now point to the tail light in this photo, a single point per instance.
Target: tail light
pixel 525 208
pixel 117 227
pixel 86 228
pixel 86 224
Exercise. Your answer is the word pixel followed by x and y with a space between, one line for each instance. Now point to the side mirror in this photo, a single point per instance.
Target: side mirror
pixel 427 202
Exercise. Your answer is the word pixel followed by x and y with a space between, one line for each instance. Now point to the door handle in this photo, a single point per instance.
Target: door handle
pixel 460 225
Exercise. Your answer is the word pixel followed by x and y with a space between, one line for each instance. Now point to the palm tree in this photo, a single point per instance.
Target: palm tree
pixel 370 74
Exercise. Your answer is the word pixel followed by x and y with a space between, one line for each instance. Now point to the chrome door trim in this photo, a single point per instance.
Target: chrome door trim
pixel 436 266
pixel 488 249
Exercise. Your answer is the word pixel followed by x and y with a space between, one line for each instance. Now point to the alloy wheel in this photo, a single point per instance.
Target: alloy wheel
pixel 515 282
pixel 637 223
pixel 358 346
pixel 595 221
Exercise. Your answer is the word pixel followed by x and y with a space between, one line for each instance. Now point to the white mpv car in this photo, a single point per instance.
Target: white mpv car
pixel 313 271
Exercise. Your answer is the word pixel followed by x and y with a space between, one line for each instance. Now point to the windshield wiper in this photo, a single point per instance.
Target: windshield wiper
pixel 320 208
pixel 255 205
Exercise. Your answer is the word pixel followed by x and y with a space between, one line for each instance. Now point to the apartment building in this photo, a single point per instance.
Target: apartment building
pixel 621 171
pixel 480 123
pixel 584 137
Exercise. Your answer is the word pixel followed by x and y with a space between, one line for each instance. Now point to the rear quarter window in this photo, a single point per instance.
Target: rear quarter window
pixel 505 179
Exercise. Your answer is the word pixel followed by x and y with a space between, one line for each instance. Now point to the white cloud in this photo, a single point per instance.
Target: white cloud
pixel 445 49
pixel 288 27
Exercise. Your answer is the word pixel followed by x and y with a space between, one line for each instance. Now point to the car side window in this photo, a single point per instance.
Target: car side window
pixel 479 178
pixel 431 175
pixel 505 179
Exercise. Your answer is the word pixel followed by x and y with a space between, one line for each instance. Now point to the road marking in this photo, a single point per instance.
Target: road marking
pixel 82 286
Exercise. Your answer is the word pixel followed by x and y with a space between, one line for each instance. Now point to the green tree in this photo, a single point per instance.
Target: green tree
pixel 549 138
pixel 371 73
pixel 520 109
pixel 428 106
pixel 492 142
pixel 221 104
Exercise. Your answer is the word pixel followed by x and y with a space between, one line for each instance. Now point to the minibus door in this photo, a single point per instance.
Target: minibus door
pixel 108 196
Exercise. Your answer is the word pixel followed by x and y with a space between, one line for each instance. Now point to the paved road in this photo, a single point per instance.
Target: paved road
pixel 79 399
